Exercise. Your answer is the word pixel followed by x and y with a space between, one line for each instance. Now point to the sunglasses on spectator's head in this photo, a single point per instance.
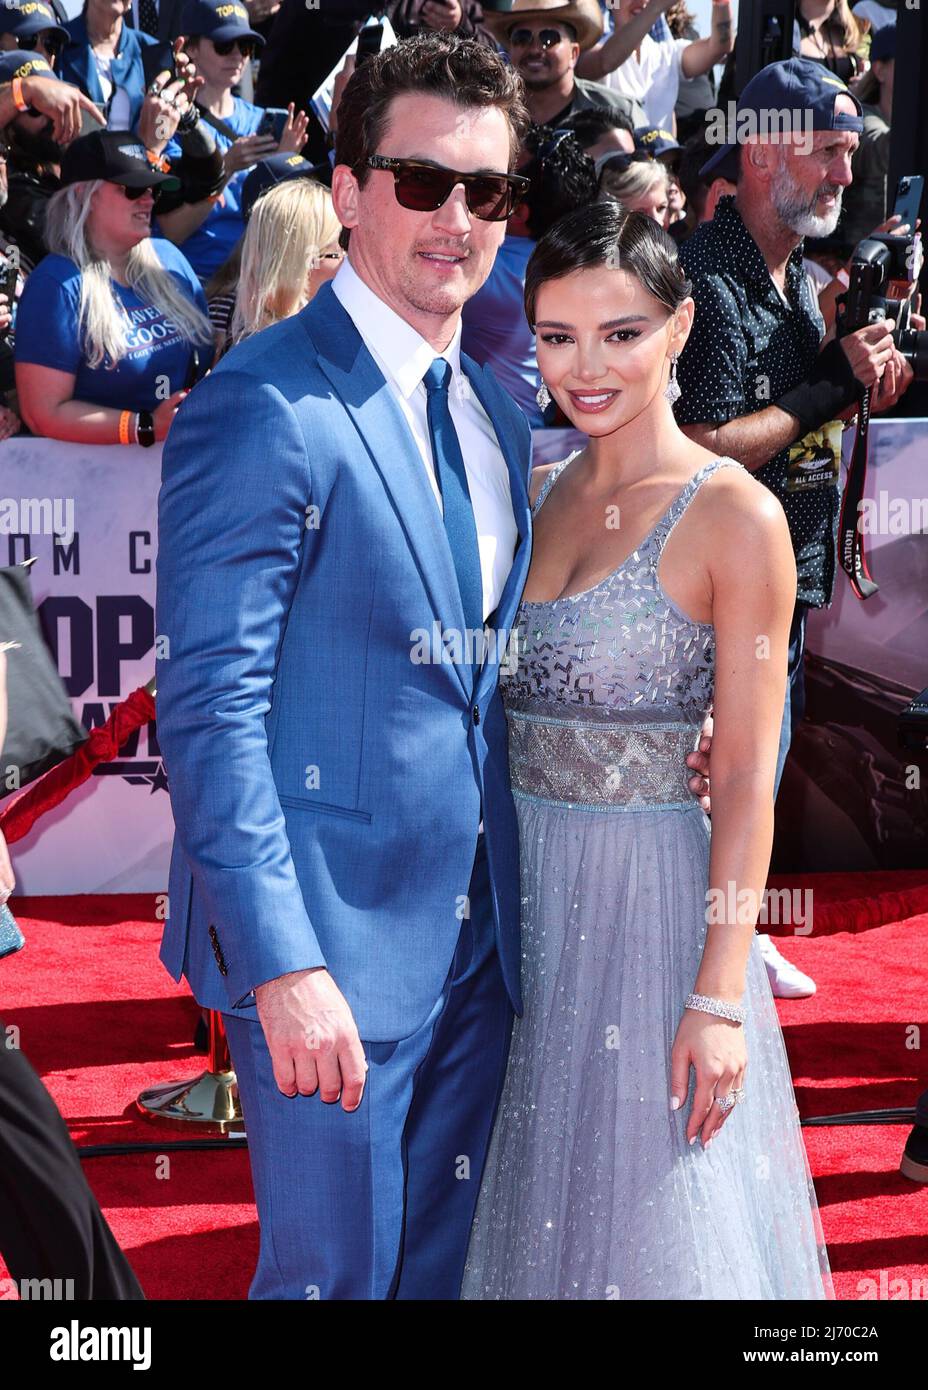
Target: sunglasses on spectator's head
pixel 521 38
pixel 425 187
pixel 225 46
pixel 547 147
pixel 620 162
pixel 53 44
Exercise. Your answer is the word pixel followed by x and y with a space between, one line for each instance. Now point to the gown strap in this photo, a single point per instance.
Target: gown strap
pixel 552 478
pixel 676 509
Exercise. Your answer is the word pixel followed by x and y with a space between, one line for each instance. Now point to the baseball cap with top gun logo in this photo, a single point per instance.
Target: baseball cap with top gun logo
pixel 788 100
pixel 218 20
pixel 30 17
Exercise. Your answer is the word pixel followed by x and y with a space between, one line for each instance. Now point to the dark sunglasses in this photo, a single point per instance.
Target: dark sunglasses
pixel 548 38
pixel 225 46
pixel 53 44
pixel 621 162
pixel 134 194
pixel 425 187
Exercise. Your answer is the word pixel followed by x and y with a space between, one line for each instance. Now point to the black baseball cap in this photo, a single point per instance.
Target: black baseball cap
pixel 790 89
pixel 116 156
pixel 279 168
pixel 883 44
pixel 29 17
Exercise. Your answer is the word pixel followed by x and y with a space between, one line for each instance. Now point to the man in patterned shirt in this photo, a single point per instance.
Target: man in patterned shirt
pixel 756 382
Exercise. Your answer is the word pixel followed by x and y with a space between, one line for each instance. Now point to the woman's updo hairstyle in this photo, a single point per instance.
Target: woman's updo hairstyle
pixel 605 234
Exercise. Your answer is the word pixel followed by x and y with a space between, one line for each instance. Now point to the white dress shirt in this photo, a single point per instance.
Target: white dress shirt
pixel 654 81
pixel 404 356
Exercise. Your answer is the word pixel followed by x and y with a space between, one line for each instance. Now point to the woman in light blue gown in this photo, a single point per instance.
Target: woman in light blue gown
pixel 646 1147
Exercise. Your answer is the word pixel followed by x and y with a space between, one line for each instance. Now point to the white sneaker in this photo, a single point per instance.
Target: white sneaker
pixel 786 981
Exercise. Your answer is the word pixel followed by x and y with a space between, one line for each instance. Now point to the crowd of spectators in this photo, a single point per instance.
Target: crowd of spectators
pixel 160 227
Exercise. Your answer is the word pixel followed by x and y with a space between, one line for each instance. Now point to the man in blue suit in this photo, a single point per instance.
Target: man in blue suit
pixel 344 506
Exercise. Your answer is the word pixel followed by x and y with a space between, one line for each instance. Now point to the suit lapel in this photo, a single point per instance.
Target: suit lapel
pixel 382 427
pixel 490 394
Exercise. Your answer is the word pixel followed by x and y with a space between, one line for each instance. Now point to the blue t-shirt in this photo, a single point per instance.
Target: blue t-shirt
pixel 212 242
pixel 47 333
pixel 495 331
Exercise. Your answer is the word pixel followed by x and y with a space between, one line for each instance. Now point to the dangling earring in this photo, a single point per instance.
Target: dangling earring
pixel 672 389
pixel 543 396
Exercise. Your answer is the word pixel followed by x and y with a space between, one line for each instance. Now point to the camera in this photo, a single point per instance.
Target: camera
pixel 883 277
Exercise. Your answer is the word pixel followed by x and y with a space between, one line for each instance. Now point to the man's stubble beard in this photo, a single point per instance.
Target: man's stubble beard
pixel 796 208
pixel 539 82
pixel 435 301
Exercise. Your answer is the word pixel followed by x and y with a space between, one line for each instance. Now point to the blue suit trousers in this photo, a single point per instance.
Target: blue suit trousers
pixel 378 1204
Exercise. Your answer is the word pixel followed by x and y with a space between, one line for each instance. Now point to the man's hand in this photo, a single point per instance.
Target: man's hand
pixel 869 351
pixel 441 14
pixel 247 150
pixel 260 9
pixel 167 99
pixel 895 381
pixel 293 135
pixel 312 1037
pixel 699 785
pixel 63 105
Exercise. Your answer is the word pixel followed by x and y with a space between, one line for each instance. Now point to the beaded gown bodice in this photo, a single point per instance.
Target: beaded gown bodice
pixel 606 688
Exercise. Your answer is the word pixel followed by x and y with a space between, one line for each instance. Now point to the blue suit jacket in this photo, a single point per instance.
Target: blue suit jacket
pixel 326 785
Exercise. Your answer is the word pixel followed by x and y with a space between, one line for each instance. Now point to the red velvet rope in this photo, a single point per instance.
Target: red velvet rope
pixel 102 745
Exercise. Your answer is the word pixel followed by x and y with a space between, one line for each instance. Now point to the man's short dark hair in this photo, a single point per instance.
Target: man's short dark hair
pixel 563 178
pixel 591 124
pixel 693 156
pixel 460 70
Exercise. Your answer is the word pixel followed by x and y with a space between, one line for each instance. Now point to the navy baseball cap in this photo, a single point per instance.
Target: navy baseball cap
pixel 217 20
pixel 279 168
pixel 883 44
pixel 117 156
pixel 29 17
pixel 655 142
pixel 786 90
pixel 18 63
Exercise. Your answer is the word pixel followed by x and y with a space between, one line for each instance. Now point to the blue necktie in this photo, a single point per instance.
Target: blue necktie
pixel 460 525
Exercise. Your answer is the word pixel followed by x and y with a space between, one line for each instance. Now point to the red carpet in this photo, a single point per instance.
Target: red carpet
pixel 111 1022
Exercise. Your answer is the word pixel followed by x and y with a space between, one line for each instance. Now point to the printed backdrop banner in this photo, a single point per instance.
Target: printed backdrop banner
pixel 88 514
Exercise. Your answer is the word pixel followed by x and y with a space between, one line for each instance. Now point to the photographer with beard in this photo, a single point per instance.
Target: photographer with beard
pixel 756 382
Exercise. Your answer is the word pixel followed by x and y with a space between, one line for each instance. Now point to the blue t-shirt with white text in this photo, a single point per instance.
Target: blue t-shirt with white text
pixel 157 361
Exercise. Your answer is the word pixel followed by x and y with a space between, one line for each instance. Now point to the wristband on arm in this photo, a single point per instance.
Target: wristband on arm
pixel 831 388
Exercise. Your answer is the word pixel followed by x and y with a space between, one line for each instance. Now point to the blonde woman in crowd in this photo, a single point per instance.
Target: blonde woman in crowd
pixel 640 185
pixel 289 248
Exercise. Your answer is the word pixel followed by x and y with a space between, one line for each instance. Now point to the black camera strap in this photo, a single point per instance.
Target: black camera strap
pixel 217 123
pixel 850 535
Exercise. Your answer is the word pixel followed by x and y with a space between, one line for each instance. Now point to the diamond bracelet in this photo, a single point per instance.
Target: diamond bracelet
pixel 707 1005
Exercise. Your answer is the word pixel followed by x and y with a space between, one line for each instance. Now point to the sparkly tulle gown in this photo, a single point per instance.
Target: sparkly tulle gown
pixel 590 1190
